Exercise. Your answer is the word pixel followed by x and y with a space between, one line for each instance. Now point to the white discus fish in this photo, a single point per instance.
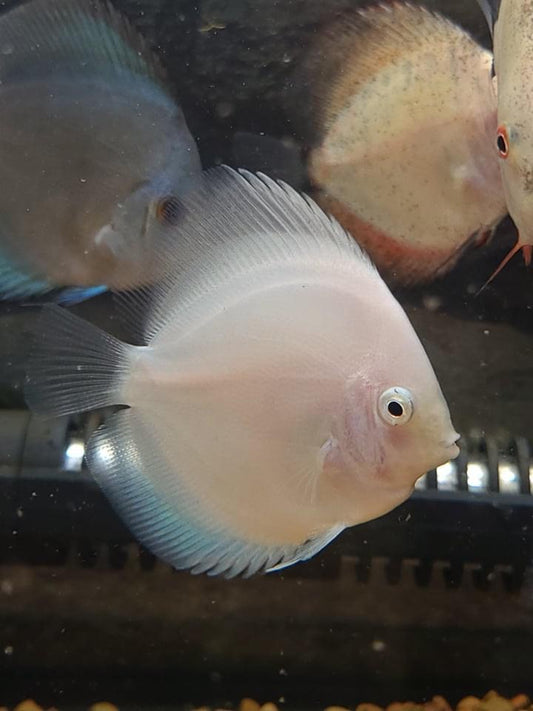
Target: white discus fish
pixel 281 394
pixel 93 148
pixel 403 108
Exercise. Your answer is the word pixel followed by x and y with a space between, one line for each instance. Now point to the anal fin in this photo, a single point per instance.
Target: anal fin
pixel 126 463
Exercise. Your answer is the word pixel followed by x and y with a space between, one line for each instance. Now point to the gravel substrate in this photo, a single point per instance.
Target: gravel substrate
pixel 492 701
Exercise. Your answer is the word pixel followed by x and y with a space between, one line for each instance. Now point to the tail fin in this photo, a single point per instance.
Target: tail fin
pixel 73 366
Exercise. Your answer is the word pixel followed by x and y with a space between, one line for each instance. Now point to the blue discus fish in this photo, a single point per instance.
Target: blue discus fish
pixel 94 151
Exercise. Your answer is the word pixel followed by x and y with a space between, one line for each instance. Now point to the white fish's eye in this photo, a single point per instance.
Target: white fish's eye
pixel 395 406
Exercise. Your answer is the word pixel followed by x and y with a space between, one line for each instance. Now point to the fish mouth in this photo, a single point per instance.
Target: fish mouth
pixel 450 445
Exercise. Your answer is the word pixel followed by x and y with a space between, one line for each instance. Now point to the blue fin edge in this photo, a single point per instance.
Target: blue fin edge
pixel 122 469
pixel 71 295
pixel 17 284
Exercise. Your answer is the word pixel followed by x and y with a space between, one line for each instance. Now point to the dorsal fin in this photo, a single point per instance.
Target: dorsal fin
pixel 81 37
pixel 358 45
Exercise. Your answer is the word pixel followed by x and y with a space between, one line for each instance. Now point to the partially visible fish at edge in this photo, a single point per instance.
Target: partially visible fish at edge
pixel 93 149
pixel 511 23
pixel 281 393
pixel 401 110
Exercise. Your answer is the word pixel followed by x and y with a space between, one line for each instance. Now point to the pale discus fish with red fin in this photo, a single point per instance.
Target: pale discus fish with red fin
pixel 281 394
pixel 403 109
pixel 511 22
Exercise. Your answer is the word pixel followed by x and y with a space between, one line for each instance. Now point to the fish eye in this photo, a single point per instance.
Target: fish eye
pixel 502 142
pixel 167 210
pixel 396 406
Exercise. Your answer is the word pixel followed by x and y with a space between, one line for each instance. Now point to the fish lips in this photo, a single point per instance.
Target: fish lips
pixel 450 446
